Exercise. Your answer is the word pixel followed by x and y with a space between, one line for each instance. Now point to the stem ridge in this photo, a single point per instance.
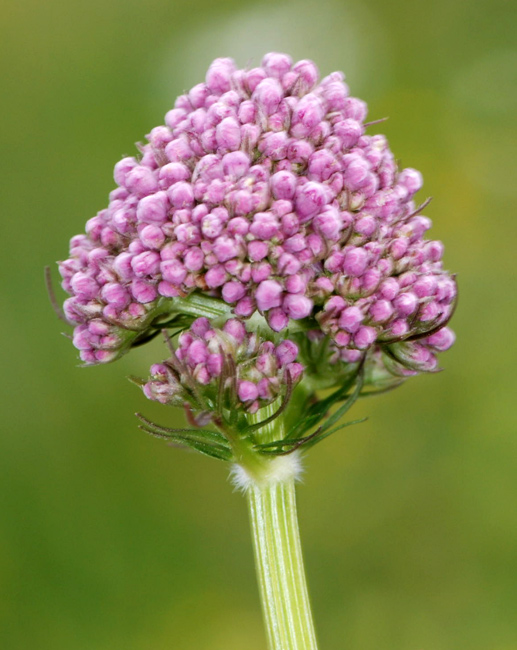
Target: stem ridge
pixel 279 563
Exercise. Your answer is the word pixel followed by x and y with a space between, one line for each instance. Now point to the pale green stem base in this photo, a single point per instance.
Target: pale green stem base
pixel 269 484
pixel 279 562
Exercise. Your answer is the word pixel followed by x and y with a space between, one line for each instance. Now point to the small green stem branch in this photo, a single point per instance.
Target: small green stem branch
pixel 270 490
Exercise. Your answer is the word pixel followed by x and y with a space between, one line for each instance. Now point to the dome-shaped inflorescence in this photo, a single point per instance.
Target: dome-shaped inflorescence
pixel 262 189
pixel 207 361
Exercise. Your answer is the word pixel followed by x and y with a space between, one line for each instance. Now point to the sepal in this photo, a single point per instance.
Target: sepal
pixel 207 442
pixel 296 438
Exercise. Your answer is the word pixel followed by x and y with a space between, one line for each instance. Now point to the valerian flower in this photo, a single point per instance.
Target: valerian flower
pixel 263 194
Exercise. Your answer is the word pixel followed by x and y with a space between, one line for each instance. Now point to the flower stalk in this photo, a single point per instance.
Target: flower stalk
pixel 279 564
pixel 276 542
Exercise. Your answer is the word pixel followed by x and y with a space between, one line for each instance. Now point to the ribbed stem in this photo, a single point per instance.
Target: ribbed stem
pixel 279 563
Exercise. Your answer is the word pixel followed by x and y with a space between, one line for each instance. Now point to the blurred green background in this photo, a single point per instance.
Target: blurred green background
pixel 111 540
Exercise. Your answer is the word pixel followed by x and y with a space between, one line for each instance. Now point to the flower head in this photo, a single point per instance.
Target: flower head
pixel 228 368
pixel 264 191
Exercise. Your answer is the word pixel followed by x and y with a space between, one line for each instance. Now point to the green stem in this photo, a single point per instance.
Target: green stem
pixel 271 498
pixel 279 563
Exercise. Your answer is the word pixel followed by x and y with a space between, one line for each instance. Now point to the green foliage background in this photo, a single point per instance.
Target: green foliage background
pixel 111 540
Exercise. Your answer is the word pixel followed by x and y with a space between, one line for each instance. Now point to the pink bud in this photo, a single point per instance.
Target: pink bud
pixel 370 280
pixel 265 226
pixel 288 264
pixel 194 259
pixel 283 185
pixel 399 247
pixel 257 250
pixel 442 339
pixel 214 364
pixel 143 291
pixel 276 65
pixel 306 115
pixel 364 337
pixel 295 284
pixel 389 288
pixel 245 307
pixel 405 304
pixel 228 134
pixel 307 76
pixel 175 117
pixel 286 352
pixel 268 95
pixel 216 277
pixel 322 164
pixel 197 353
pixel 356 172
pixel 260 272
pixel 310 199
pixel 84 285
pixel 250 134
pixel 351 356
pixel 173 173
pixel 116 295
pixel 212 226
pixel 181 195
pixel 200 327
pixel 179 150
pixel 274 145
pixel 236 329
pixel 146 263
pixel 268 295
pixel 218 77
pixel 277 319
pixel 349 131
pixel 399 328
pixel 82 339
pixel 173 271
pixel 235 164
pixel 153 209
pixel 152 236
pixel 247 391
pixel 168 290
pixel 425 286
pixel 225 249
pixel 324 285
pixel 247 112
pixel 233 291
pixel 297 306
pixel 122 169
pixel 381 311
pixel 329 223
pixel 98 327
pixel 355 109
pixel 429 312
pixel 411 179
pixel 350 319
pixel 253 77
pixel 299 151
pixel 434 251
pixel 141 181
pixel 295 244
pixel 334 262
pixel 355 261
pixel 335 94
pixel 366 226
pixel 295 371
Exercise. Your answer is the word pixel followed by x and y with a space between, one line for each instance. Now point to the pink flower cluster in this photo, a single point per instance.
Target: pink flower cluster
pixel 261 189
pixel 261 367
